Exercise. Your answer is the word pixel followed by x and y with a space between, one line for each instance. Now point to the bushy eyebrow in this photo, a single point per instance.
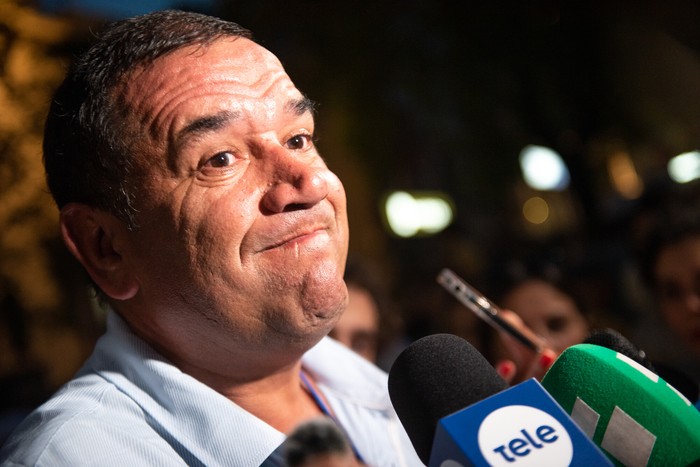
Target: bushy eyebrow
pixel 301 106
pixel 212 123
pixel 206 124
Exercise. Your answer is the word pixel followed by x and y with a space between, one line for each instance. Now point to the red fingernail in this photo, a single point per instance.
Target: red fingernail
pixel 546 360
pixel 505 369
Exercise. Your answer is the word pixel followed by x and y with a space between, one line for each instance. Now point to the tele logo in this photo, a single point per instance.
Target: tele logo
pixel 520 435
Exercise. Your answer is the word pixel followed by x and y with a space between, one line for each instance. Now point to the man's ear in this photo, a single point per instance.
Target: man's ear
pixel 93 236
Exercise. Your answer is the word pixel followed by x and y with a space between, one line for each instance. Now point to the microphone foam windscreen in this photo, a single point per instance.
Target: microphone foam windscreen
pixel 626 409
pixel 434 377
pixel 613 340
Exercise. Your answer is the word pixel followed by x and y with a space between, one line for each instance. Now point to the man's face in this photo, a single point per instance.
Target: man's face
pixel 242 227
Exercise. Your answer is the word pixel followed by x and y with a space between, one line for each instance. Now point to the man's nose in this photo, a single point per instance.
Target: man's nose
pixel 295 183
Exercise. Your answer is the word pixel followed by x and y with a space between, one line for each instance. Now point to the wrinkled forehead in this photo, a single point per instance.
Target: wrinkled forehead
pixel 228 75
pixel 234 59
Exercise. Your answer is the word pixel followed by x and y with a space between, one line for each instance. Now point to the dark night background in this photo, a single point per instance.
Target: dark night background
pixel 413 95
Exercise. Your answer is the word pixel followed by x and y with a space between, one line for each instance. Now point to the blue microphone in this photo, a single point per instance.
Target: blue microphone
pixel 458 411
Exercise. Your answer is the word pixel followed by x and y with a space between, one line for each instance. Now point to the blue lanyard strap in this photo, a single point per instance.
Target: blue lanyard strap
pixel 327 411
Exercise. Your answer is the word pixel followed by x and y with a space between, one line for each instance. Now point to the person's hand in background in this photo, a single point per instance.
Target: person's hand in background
pixel 520 362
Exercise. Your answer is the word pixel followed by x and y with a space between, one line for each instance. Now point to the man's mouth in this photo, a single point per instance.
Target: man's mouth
pixel 297 239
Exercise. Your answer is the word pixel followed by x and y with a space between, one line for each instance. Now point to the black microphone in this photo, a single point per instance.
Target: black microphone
pixel 434 377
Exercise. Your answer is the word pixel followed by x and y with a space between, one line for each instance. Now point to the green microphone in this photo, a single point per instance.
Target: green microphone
pixel 631 413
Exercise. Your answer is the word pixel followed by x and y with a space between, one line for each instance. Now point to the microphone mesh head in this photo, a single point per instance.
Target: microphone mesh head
pixel 434 377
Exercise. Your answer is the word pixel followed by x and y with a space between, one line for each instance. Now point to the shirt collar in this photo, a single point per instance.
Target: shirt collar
pixel 194 418
pixel 347 374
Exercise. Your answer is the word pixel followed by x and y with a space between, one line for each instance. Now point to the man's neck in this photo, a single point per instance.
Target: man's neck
pixel 265 382
pixel 282 400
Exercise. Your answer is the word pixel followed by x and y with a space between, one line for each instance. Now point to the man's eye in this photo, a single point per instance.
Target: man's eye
pixel 299 142
pixel 222 159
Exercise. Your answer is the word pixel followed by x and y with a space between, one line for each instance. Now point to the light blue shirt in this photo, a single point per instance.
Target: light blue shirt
pixel 129 406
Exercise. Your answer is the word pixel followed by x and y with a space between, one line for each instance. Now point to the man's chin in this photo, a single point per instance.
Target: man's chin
pixel 324 302
pixel 303 341
pixel 325 321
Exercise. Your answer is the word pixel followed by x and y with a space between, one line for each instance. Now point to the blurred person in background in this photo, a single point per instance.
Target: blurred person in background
pixel 541 299
pixel 669 259
pixel 319 443
pixel 370 325
pixel 546 306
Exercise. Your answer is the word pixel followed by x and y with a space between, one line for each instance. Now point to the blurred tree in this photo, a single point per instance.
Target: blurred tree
pixel 47 328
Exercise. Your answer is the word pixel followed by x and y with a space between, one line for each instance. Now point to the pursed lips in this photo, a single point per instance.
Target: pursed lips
pixel 297 237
